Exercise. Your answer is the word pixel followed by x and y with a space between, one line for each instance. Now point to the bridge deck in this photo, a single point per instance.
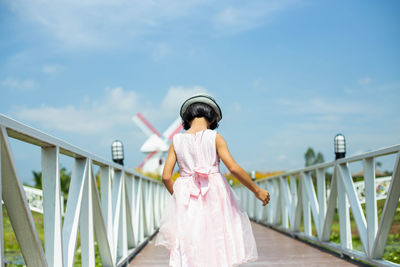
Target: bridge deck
pixel 274 249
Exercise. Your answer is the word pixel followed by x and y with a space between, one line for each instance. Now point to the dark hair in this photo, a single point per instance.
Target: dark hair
pixel 198 110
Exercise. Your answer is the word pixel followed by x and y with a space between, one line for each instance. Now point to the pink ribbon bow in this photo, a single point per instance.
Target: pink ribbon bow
pixel 198 184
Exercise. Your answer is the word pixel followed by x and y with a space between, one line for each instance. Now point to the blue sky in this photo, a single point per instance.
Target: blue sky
pixel 287 74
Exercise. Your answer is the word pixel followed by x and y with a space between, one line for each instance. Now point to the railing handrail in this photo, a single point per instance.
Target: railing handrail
pixel 358 157
pixel 122 216
pixel 33 136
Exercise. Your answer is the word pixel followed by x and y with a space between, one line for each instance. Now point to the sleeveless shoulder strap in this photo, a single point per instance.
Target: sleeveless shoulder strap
pixel 176 141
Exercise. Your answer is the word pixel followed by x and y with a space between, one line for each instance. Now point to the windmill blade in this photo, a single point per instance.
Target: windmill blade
pixel 149 156
pixel 144 125
pixel 173 129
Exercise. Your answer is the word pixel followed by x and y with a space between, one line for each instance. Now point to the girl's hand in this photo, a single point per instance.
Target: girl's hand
pixel 262 195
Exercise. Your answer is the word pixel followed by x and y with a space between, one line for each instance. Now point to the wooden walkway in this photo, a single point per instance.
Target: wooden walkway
pixel 274 249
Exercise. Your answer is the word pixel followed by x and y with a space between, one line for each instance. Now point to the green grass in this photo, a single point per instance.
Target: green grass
pixel 12 252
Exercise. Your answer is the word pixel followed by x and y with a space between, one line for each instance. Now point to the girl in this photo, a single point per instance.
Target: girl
pixel 204 224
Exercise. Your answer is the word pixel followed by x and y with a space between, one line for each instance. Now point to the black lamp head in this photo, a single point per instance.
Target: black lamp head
pixel 340 146
pixel 117 152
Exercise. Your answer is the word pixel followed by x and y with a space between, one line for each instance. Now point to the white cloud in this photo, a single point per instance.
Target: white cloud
pixel 282 157
pixel 93 23
pixel 160 50
pixel 365 81
pixel 321 106
pixel 102 24
pixel 92 116
pixel 248 14
pixel 52 68
pixel 18 85
pixel 112 110
pixel 176 95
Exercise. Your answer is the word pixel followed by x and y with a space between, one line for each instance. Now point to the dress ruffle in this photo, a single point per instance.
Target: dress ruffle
pixel 206 230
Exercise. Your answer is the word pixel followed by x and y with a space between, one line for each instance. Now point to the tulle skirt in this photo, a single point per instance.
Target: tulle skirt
pixel 206 230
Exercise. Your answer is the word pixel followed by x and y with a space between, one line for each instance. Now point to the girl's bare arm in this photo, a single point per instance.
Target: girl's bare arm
pixel 238 172
pixel 168 169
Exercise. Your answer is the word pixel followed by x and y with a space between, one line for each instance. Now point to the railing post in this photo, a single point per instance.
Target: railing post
pixel 72 214
pixel 157 205
pixel 285 202
pixel 293 199
pixel 312 199
pixel 355 205
pixel 149 210
pixel 100 229
pixel 106 173
pixel 129 210
pixel 139 211
pixel 321 191
pixel 306 207
pixel 122 244
pixel 277 206
pixel 344 216
pixel 86 221
pixel 370 201
pixel 144 206
pixel 388 212
pixel 330 210
pixel 116 204
pixel 131 187
pixel 299 205
pixel 52 206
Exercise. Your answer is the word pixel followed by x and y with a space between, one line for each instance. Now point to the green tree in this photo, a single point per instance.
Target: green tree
pixel 311 158
pixel 37 179
pixel 378 164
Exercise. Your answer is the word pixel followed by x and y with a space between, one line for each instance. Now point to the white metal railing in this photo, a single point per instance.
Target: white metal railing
pixel 293 196
pixel 34 197
pixel 381 188
pixel 122 217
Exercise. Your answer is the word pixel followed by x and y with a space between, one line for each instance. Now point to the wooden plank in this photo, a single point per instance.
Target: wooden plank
pixel 274 249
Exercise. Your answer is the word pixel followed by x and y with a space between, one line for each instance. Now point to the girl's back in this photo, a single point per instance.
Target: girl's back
pixel 195 151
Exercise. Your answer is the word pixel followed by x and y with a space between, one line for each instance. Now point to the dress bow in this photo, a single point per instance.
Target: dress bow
pixel 198 184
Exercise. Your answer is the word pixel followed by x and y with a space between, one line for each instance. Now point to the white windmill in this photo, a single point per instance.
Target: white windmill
pixel 156 145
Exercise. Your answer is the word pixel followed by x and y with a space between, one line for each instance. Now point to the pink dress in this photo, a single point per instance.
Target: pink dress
pixel 203 224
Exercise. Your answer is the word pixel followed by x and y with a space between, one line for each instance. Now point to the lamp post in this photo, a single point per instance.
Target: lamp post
pixel 117 152
pixel 253 175
pixel 340 146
